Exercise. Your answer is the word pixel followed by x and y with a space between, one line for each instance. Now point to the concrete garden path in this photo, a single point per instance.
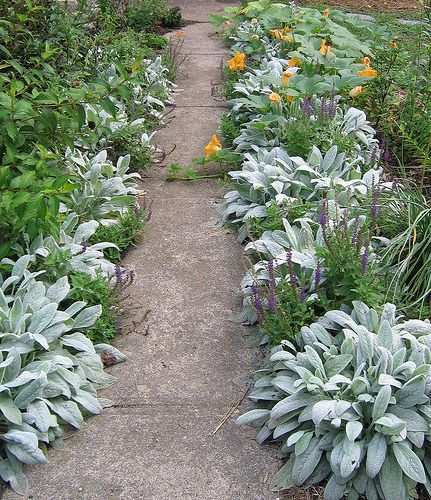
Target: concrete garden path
pixel 181 379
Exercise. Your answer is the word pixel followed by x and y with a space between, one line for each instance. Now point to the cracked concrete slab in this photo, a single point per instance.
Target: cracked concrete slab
pixel 181 379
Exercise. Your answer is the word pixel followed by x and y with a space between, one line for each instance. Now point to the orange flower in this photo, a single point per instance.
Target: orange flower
pixel 325 49
pixel 280 34
pixel 326 12
pixel 287 75
pixel 370 73
pixel 276 34
pixel 289 98
pixel 213 147
pixel 367 62
pixel 237 62
pixel 293 61
pixel 394 44
pixel 356 91
pixel 255 37
pixel 274 98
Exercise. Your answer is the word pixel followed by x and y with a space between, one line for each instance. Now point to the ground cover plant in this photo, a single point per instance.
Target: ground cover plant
pixel 83 88
pixel 331 199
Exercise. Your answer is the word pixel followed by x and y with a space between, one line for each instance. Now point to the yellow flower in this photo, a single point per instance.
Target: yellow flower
pixel 394 44
pixel 325 49
pixel 213 147
pixel 276 34
pixel 274 98
pixel 370 73
pixel 255 37
pixel 356 91
pixel 289 98
pixel 286 77
pixel 326 12
pixel 293 61
pixel 281 34
pixel 237 62
pixel 367 62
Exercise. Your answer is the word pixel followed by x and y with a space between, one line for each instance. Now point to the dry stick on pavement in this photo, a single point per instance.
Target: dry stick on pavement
pixel 229 413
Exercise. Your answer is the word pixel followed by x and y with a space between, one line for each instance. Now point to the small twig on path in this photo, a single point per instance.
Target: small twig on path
pixel 230 412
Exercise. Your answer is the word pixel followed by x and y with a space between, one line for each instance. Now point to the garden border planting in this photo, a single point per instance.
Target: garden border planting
pixel 331 215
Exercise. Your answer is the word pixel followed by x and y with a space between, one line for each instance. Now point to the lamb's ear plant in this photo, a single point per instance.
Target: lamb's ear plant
pixel 104 191
pixel 49 369
pixel 71 252
pixel 351 405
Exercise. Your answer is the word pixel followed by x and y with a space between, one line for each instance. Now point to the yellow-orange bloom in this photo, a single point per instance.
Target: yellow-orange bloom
pixel 213 147
pixel 289 98
pixel 326 12
pixel 325 49
pixel 370 73
pixel 237 62
pixel 255 37
pixel 356 91
pixel 394 44
pixel 367 62
pixel 287 75
pixel 280 34
pixel 293 61
pixel 274 98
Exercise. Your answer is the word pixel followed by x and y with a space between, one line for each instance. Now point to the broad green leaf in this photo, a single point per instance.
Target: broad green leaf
pixel 376 454
pixel 409 462
pixel 306 462
pixel 381 402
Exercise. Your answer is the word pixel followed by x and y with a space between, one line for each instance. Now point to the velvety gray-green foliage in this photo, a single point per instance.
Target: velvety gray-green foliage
pixel 351 405
pixel 49 370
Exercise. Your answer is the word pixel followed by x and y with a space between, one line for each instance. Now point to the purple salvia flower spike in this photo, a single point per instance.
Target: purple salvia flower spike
pixel 257 303
pixel 119 275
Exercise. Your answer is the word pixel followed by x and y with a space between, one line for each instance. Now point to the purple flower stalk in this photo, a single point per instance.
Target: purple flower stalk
pixel 302 294
pixel 84 245
pixel 293 280
pixel 272 298
pixel 257 303
pixel 307 107
pixel 323 215
pixel 323 108
pixel 119 275
pixel 364 259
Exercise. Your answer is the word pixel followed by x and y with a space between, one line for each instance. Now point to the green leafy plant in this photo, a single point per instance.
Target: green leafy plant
pixel 122 234
pixel 97 292
pixel 50 370
pixel 352 406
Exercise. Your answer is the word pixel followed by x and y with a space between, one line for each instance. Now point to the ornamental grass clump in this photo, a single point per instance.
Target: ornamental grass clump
pixel 351 405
